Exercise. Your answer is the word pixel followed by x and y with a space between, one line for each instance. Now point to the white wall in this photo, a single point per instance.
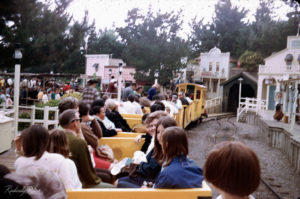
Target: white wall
pixel 102 60
pixel 214 56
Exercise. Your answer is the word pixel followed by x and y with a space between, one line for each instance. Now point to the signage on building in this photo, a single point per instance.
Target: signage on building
pixel 207 74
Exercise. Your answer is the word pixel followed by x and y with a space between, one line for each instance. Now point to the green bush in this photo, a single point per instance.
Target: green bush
pixel 23 125
pixel 39 114
pixel 75 94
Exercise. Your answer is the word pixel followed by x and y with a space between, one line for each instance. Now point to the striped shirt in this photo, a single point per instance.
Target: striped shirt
pixel 89 95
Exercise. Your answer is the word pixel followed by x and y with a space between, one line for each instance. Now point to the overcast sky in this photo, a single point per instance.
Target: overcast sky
pixel 106 13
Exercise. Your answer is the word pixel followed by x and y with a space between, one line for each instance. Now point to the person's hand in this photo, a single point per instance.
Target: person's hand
pixel 138 138
pixel 118 130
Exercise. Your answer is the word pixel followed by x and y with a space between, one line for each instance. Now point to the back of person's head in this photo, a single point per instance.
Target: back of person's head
pixel 95 110
pixel 104 98
pixel 137 98
pixel 157 106
pixel 98 102
pixel 58 143
pixel 3 170
pixel 139 89
pixel 133 85
pixel 144 117
pixel 35 141
pixel 145 102
pixel 91 82
pixel 39 183
pixel 174 144
pixel 233 168
pixel 145 94
pixel 165 122
pixel 131 98
pixel 161 96
pixel 67 103
pixel 155 115
pixel 110 104
pixel 67 117
pixel 278 107
pixel 84 109
pixel 155 98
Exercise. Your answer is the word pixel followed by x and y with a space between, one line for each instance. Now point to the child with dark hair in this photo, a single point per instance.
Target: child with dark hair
pixel 34 141
pixel 157 106
pixel 177 171
pixel 233 169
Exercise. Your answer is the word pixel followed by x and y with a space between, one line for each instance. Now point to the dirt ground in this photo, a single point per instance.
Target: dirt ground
pixel 273 161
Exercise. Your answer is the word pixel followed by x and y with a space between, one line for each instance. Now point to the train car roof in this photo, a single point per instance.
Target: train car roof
pixel 192 84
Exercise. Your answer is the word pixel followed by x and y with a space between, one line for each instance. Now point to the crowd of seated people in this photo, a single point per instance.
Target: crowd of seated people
pixel 72 156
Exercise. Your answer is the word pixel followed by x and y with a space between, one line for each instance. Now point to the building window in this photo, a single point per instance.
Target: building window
pixel 217 66
pixel 210 66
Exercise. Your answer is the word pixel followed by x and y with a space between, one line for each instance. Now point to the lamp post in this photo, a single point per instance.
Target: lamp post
pixel 119 81
pixel 17 57
pixel 109 73
pixel 156 73
pixel 240 90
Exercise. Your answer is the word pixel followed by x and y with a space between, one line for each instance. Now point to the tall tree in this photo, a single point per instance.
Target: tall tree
pixel 152 44
pixel 229 21
pixel 106 42
pixel 202 37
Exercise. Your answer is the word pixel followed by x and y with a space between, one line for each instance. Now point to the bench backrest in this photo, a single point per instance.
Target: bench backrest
pixel 194 193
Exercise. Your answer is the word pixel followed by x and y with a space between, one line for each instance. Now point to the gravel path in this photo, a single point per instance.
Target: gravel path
pixel 273 161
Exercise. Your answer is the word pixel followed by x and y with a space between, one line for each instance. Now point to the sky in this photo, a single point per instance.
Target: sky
pixel 109 13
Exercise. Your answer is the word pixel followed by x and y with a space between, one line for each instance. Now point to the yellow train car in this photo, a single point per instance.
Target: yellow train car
pixel 195 110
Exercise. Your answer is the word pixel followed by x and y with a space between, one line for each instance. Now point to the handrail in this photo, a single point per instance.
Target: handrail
pixel 253 104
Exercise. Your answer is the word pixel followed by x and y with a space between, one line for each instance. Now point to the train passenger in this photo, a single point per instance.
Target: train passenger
pixel 10 188
pixel 89 125
pixel 113 115
pixel 108 128
pixel 233 169
pixel 177 171
pixel 37 183
pixel 148 171
pixel 58 143
pixel 69 120
pixel 34 142
pixel 151 123
pixel 157 106
pixel 131 107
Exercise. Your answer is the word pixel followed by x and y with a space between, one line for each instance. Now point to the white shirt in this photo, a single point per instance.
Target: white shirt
pixel 64 168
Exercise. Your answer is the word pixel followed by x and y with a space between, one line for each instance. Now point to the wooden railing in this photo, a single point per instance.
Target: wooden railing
pixel 250 104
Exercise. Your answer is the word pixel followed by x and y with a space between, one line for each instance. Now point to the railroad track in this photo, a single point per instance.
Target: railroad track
pixel 228 131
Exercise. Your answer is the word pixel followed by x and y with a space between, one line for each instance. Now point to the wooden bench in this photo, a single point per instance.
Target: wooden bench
pixel 129 134
pixel 132 119
pixel 122 146
pixel 193 193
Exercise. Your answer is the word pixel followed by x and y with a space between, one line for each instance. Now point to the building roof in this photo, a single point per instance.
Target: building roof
pixel 252 76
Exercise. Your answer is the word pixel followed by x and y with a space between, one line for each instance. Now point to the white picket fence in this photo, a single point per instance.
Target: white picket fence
pixel 214 105
pixel 250 104
pixel 33 120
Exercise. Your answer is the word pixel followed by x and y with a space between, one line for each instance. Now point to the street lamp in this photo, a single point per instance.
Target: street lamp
pixel 240 90
pixel 17 56
pixel 156 73
pixel 119 81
